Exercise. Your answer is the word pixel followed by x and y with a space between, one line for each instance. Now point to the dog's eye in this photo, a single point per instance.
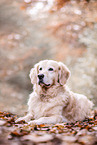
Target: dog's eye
pixel 40 68
pixel 50 69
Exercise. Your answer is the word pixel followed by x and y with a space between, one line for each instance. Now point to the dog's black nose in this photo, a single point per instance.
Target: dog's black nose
pixel 41 76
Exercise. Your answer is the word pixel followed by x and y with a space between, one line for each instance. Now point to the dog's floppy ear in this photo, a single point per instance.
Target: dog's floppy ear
pixel 63 73
pixel 33 74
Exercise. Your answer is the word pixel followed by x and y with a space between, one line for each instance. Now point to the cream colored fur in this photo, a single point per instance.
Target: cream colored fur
pixel 52 101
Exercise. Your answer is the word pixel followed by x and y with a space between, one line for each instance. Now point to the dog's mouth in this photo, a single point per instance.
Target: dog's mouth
pixel 41 83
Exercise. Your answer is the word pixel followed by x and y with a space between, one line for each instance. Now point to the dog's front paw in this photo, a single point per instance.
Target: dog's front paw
pixel 34 122
pixel 20 119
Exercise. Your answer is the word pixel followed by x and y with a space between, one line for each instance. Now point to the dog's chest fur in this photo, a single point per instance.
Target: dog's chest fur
pixel 42 105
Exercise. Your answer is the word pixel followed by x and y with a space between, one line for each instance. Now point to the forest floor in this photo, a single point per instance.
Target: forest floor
pixel 78 133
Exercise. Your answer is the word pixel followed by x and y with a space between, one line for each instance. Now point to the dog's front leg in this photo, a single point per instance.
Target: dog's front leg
pixel 26 118
pixel 48 120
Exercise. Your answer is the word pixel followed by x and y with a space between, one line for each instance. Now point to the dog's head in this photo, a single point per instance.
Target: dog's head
pixel 47 73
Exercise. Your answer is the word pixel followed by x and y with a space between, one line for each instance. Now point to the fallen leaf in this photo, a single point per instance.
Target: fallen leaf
pixel 19 133
pixel 95 128
pixel 87 140
pixel 2 122
pixel 69 138
pixel 37 138
pixel 82 132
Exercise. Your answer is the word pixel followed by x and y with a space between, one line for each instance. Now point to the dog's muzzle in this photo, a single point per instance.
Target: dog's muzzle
pixel 41 82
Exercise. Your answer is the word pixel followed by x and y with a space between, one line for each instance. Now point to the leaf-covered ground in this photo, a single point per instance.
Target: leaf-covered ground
pixel 84 133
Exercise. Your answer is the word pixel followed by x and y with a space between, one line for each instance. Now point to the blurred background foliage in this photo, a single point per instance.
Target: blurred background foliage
pixel 33 30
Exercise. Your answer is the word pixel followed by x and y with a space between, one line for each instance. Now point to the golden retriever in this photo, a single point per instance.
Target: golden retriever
pixel 51 101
